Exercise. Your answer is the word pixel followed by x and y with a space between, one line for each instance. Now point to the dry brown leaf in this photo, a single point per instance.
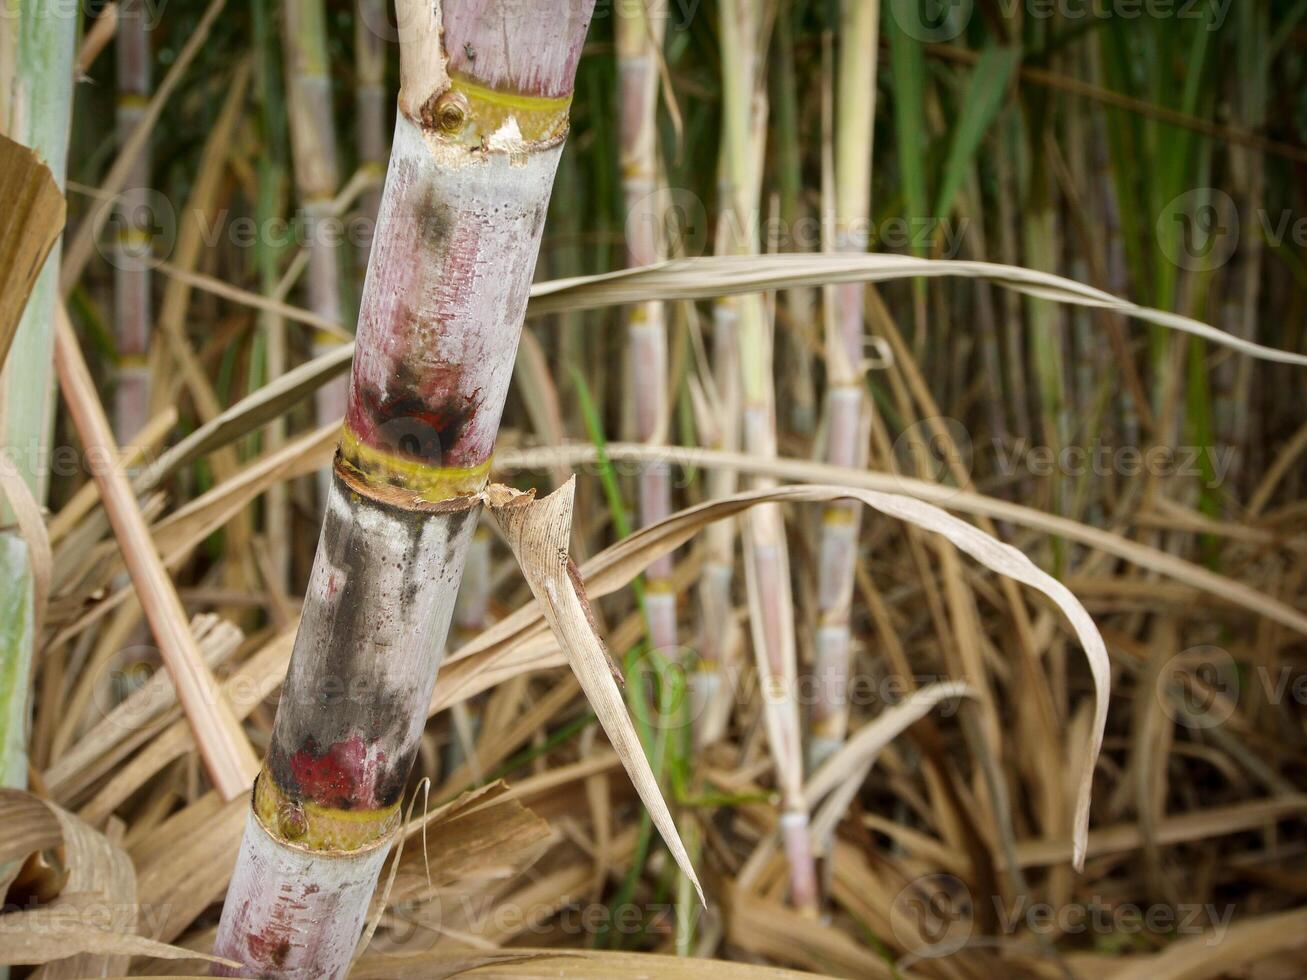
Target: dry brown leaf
pixel 538 531
pixel 708 277
pixel 619 564
pixel 34 214
pixel 548 964
pixel 91 926
pixel 1220 587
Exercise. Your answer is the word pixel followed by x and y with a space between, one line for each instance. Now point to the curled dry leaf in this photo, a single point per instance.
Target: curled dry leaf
pixel 90 926
pixel 619 564
pixel 538 532
pixel 839 778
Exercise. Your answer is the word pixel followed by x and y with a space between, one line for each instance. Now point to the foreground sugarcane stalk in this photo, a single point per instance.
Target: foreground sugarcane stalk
pixel 847 404
pixel 471 168
pixel 131 269
pixel 317 177
pixel 766 556
pixel 639 41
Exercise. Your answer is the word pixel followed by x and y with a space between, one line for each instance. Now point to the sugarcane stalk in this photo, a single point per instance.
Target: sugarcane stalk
pixel 712 682
pixel 317 177
pixel 639 41
pixel 766 557
pixel 269 205
pixel 370 102
pixel 132 304
pixel 847 403
pixel 801 303
pixel 36 83
pixel 471 168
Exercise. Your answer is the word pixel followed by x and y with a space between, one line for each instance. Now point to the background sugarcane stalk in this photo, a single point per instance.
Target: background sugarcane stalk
pixel 847 403
pixel 471 616
pixel 132 304
pixel 270 359
pixel 472 165
pixel 639 42
pixel 799 312
pixel 370 102
pixel 744 28
pixel 36 86
pixel 317 178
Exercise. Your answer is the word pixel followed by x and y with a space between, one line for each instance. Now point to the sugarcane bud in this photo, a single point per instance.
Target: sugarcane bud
pixel 291 820
pixel 450 112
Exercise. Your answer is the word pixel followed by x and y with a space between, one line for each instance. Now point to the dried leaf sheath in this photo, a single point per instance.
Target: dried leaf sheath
pixel 449 275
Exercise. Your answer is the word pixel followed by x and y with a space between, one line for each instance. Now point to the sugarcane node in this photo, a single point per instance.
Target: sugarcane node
pixel 401 498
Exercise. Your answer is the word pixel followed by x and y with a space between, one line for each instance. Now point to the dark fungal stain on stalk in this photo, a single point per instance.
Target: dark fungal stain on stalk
pixel 401 421
pixel 422 410
pixel 345 741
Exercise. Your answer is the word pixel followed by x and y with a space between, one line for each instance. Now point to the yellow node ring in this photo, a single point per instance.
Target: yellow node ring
pixel 428 483
pixel 538 117
pixel 320 828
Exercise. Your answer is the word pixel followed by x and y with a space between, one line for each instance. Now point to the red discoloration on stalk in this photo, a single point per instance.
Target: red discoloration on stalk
pixel 480 39
pixel 344 776
pixel 270 947
pixel 427 409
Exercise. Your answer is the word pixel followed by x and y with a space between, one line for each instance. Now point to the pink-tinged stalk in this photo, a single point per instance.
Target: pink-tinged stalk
pixel 462 211
pixel 639 42
pixel 847 404
pixel 133 309
pixel 766 555
pixel 714 681
pixel 317 178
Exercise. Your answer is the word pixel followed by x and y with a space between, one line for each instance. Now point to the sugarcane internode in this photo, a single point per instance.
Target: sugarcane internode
pixel 449 274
